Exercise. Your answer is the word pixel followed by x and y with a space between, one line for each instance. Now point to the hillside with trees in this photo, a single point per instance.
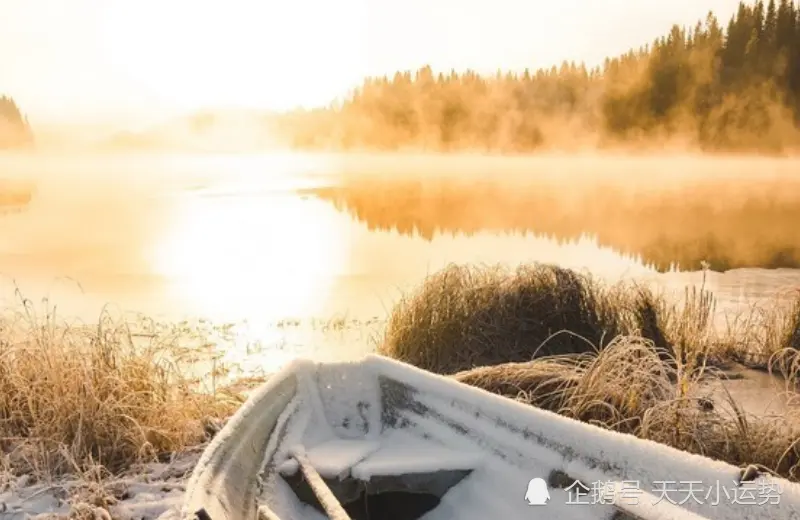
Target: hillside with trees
pixel 712 87
pixel 15 131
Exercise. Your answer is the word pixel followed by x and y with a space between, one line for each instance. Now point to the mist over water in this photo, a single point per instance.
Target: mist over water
pixel 265 238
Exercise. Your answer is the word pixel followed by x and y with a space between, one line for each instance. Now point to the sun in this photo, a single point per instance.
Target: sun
pixel 238 53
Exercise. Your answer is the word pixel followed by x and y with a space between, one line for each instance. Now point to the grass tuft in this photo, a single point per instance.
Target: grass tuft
pixel 466 316
pixel 73 397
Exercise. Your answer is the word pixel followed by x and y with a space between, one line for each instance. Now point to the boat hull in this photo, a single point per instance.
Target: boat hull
pixel 379 428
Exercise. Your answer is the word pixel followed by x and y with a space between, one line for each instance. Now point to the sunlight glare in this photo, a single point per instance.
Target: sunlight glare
pixel 261 258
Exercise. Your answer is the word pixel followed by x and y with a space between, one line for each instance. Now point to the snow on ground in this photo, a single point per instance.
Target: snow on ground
pixel 143 495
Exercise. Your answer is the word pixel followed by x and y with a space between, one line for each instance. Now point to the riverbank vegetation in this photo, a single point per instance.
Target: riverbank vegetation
pixel 75 398
pixel 623 356
pixel 715 86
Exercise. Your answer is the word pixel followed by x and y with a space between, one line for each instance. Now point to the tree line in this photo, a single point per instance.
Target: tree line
pixel 15 130
pixel 709 86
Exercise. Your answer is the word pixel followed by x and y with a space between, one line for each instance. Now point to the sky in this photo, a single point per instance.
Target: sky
pixel 134 60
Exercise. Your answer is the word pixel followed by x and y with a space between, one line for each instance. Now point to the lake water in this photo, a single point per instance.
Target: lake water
pixel 279 238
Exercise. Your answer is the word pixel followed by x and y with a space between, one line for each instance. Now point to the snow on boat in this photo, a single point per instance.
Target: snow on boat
pixel 379 439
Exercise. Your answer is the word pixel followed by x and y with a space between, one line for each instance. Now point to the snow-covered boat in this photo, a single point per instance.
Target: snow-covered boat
pixel 380 439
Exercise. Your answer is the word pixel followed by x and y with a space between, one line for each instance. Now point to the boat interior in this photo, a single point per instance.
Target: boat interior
pixel 368 487
pixel 382 453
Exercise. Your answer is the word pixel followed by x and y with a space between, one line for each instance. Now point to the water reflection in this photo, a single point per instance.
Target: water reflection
pixel 250 257
pixel 729 222
pixel 15 194
pixel 228 237
pixel 169 236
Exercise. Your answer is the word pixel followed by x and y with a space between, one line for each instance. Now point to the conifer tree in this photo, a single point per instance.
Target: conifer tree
pixel 15 131
pixel 735 87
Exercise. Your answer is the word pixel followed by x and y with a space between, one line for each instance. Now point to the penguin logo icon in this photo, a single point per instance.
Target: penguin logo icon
pixel 537 494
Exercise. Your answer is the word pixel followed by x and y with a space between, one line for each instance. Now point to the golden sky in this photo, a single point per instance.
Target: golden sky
pixel 98 60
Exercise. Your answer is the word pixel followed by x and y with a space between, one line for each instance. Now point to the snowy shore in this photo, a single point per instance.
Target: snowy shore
pixel 144 493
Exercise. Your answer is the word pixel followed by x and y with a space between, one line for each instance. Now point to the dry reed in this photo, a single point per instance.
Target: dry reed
pixel 468 316
pixel 73 397
pixel 626 387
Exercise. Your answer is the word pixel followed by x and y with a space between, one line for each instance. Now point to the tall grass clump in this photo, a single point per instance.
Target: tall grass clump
pixel 468 316
pixel 77 397
pixel 626 387
pixel 783 345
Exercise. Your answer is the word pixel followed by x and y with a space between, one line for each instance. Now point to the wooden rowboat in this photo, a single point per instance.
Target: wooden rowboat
pixel 379 439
